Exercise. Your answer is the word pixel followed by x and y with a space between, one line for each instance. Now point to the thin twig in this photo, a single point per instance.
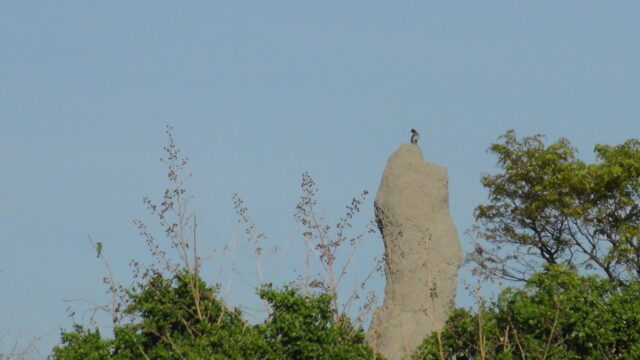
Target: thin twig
pixel 553 328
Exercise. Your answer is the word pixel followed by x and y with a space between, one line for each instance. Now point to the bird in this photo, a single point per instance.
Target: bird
pixel 99 248
pixel 414 136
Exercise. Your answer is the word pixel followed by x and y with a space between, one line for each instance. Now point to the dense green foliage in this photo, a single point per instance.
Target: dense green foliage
pixel 550 218
pixel 546 206
pixel 181 318
pixel 557 315
pixel 306 328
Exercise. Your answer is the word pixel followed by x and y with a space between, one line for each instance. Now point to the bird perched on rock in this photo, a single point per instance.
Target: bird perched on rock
pixel 414 136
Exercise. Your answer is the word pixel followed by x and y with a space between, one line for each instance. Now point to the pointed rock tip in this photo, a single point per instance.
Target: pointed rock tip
pixel 409 150
pixel 410 153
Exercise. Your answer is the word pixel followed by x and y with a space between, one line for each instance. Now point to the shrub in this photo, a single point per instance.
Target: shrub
pixel 174 320
pixel 557 315
pixel 304 327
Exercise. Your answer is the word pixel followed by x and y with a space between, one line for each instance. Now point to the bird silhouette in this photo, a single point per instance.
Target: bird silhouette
pixel 414 136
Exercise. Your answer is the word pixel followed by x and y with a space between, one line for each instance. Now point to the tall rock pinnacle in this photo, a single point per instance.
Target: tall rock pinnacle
pixel 422 253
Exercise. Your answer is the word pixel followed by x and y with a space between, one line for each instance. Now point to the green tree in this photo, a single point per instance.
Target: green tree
pixel 171 323
pixel 557 315
pixel 304 327
pixel 82 343
pixel 546 206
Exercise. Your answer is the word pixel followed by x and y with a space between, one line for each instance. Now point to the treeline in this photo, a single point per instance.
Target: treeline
pixel 182 318
pixel 567 230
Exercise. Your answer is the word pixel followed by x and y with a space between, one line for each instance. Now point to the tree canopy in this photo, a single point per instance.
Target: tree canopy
pixel 182 318
pixel 546 206
pixel 557 315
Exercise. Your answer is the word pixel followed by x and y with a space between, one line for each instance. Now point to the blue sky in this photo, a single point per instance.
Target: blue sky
pixel 259 92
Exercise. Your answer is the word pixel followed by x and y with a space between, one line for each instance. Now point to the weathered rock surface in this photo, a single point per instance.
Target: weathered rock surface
pixel 422 253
